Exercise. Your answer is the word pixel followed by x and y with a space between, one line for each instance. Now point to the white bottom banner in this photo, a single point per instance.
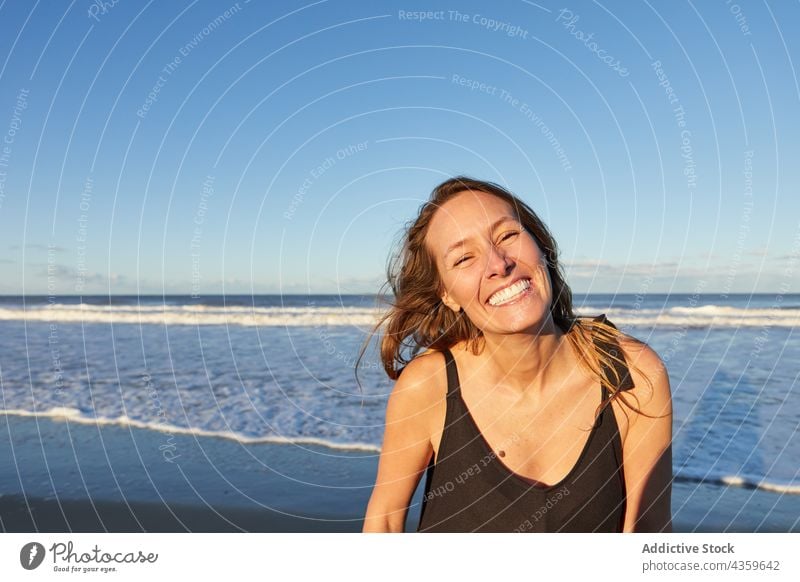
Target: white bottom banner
pixel 355 557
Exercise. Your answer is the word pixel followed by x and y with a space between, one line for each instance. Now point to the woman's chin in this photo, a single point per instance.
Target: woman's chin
pixel 524 317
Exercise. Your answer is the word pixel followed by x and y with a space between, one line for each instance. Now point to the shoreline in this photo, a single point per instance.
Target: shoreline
pixel 74 477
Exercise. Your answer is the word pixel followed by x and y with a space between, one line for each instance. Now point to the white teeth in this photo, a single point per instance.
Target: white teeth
pixel 509 293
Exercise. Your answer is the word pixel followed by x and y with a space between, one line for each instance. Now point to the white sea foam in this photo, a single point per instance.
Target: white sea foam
pixel 708 316
pixel 743 482
pixel 196 315
pixel 75 415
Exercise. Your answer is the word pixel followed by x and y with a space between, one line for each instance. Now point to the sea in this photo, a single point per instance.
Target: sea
pixel 285 369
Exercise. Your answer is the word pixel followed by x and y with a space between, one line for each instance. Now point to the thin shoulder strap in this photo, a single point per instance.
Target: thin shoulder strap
pixel 619 376
pixel 452 372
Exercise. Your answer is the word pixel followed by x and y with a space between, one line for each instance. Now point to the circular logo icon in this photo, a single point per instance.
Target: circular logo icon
pixel 31 555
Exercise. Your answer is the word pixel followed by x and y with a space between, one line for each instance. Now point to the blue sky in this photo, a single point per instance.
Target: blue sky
pixel 273 147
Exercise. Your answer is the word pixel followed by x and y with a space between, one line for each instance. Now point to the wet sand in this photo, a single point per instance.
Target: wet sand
pixel 61 476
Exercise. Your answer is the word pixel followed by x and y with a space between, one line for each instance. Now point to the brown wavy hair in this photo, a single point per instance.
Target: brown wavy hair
pixel 417 319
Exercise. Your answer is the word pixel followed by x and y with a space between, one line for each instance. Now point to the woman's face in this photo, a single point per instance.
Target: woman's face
pixel 490 265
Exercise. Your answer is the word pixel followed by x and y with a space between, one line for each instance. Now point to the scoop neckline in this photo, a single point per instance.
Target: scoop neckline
pixel 501 466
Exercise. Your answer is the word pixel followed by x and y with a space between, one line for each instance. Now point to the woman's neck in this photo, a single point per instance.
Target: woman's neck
pixel 526 361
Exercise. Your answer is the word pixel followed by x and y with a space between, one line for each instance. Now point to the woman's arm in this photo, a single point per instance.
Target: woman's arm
pixel 406 448
pixel 647 449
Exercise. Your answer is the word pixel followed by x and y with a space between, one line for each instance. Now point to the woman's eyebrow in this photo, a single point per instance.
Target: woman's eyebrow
pixel 463 241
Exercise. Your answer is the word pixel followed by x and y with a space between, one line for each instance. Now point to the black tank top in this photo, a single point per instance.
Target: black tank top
pixel 470 489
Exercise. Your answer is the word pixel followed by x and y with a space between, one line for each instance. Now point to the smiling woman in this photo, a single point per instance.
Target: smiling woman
pixel 523 416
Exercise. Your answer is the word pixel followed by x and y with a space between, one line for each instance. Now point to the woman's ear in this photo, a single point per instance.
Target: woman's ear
pixel 447 300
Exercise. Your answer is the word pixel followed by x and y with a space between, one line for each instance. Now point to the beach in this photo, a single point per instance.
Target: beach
pixel 244 414
pixel 78 477
pixel 83 478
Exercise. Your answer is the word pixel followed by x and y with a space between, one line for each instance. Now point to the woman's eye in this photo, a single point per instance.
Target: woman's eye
pixel 509 235
pixel 462 260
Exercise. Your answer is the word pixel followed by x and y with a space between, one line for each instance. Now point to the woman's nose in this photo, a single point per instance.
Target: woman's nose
pixel 499 263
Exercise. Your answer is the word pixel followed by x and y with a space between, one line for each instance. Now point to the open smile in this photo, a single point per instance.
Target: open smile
pixel 511 294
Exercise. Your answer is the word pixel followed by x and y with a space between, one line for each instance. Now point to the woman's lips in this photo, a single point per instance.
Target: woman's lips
pixel 525 286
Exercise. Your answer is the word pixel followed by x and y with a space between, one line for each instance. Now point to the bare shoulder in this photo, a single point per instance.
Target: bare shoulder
pixel 648 372
pixel 650 397
pixel 423 382
pixel 417 403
